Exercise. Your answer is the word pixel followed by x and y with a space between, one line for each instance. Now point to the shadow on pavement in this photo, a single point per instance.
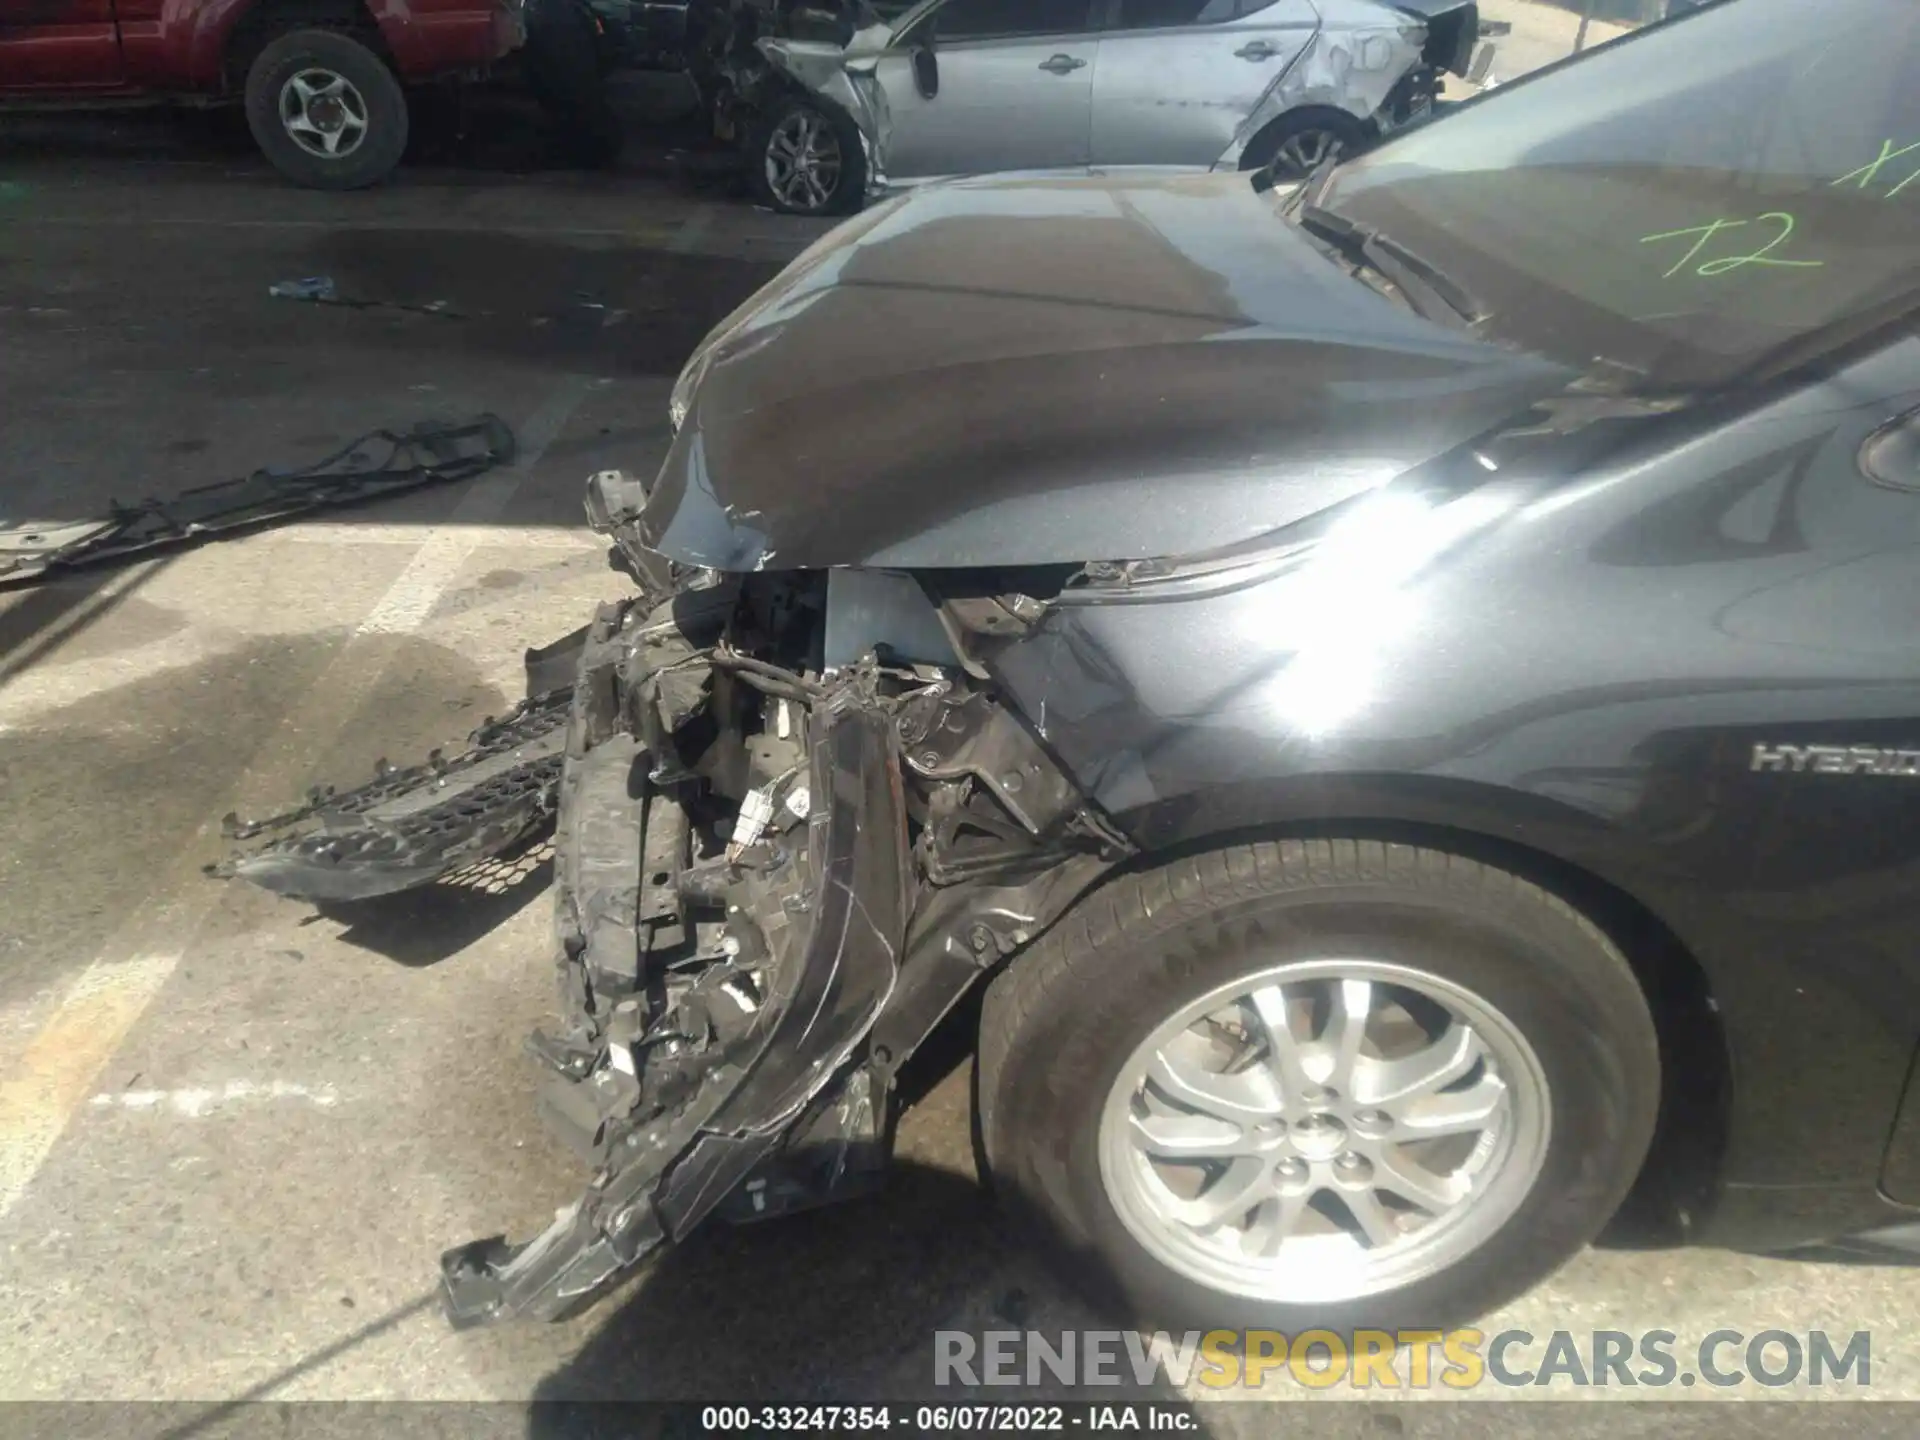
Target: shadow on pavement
pixel 417 928
pixel 837 1306
pixel 36 622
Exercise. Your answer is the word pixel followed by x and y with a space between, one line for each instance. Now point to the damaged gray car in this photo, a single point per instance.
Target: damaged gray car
pixel 1386 685
pixel 969 87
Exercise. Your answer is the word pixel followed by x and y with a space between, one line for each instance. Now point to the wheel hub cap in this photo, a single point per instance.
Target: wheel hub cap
pixel 1324 1130
pixel 324 113
pixel 1320 1136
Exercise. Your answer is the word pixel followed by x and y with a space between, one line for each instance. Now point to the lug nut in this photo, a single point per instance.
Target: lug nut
pixel 1373 1120
pixel 1290 1169
pixel 1352 1165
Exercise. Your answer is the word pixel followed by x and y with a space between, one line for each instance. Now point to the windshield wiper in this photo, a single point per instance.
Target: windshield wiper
pixel 1432 293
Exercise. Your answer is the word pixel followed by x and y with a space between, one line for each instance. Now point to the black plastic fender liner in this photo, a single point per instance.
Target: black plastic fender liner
pixel 671 1173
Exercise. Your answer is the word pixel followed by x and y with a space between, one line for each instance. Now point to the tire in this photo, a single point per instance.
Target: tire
pixel 1291 146
pixel 790 118
pixel 1061 1025
pixel 373 136
pixel 564 70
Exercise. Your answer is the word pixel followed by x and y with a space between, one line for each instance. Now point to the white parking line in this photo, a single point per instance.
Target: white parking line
pixel 692 233
pixel 512 537
pixel 61 1064
pixel 198 1100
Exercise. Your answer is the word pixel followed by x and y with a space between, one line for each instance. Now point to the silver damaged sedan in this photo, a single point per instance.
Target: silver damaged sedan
pixel 969 87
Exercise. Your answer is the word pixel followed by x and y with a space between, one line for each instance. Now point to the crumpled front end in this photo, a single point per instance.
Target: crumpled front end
pixel 846 77
pixel 791 828
pixel 730 907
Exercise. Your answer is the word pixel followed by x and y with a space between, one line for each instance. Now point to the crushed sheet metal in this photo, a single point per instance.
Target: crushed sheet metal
pixel 846 77
pixel 428 454
pixel 1361 51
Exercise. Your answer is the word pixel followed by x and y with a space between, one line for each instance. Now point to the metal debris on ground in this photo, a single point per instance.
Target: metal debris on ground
pixel 428 454
pixel 321 290
pixel 314 287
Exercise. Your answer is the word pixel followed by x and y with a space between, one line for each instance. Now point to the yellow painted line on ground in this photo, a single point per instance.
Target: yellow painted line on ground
pixel 59 1067
pixel 57 1070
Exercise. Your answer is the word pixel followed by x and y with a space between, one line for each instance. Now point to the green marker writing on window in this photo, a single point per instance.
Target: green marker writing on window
pixel 1867 174
pixel 1726 264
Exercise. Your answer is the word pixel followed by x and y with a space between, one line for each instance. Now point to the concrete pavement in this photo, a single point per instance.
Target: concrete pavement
pixel 234 1134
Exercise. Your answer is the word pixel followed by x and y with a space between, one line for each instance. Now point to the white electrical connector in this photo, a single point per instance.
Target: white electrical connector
pixel 756 813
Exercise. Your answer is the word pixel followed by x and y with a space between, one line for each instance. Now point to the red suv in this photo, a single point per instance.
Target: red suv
pixel 321 78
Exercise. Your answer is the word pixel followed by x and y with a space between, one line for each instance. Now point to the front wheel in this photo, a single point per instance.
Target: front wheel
pixel 803 159
pixel 1316 1084
pixel 326 111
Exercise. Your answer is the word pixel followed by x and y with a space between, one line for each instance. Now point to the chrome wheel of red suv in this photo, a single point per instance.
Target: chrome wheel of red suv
pixel 326 110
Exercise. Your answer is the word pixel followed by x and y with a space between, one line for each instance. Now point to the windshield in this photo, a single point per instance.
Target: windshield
pixel 1681 205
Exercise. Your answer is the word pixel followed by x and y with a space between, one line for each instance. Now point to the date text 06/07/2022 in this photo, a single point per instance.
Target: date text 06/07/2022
pixel 943 1419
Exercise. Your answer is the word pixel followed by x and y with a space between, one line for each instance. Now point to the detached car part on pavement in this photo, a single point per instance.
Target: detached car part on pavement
pixel 1385 681
pixel 378 464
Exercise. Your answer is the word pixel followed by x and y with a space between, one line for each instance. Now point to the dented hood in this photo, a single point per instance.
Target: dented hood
pixel 1036 369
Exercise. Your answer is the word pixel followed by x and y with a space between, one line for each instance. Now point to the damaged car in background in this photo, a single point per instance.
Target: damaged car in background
pixel 831 101
pixel 1318 657
pixel 970 87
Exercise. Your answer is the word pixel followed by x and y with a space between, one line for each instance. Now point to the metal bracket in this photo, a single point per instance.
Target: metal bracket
pixel 971 735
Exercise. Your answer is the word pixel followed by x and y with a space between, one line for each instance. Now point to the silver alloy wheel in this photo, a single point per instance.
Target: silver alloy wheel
pixel 1324 1130
pixel 324 113
pixel 1300 155
pixel 803 161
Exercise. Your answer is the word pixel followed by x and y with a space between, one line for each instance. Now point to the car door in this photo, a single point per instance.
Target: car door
pixel 1176 79
pixel 1015 89
pixel 58 45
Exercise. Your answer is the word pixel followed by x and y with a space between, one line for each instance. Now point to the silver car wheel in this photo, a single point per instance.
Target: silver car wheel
pixel 803 161
pixel 1300 155
pixel 1324 1130
pixel 324 113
